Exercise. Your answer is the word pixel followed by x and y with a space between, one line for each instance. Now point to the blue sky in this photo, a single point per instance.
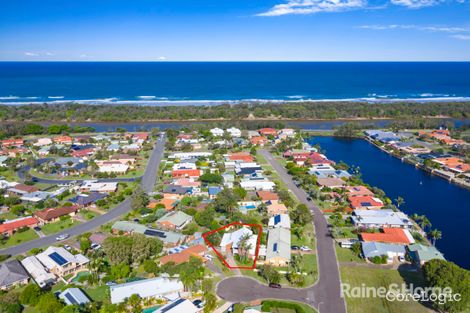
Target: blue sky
pixel 235 30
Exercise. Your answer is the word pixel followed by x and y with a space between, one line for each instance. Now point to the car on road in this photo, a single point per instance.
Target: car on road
pixel 198 303
pixel 295 248
pixel 305 249
pixel 62 237
pixel 274 285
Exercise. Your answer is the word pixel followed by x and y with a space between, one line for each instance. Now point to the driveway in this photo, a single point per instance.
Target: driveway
pixel 147 183
pixel 325 295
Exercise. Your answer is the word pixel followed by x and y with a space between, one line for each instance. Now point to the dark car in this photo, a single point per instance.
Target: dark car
pixel 309 199
pixel 295 247
pixel 37 228
pixel 273 285
pixel 198 303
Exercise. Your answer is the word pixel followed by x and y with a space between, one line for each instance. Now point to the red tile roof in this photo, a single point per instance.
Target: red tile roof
pixel 241 156
pixel 183 256
pixel 268 131
pixel 388 235
pixel 9 227
pixel 52 213
pixel 364 202
pixel 358 191
pixel 267 195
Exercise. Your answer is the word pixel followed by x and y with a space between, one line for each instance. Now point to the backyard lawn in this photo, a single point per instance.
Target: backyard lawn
pixel 346 255
pixel 370 277
pixel 55 227
pixel 18 238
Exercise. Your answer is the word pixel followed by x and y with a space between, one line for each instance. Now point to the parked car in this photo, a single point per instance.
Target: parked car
pixel 198 303
pixel 95 246
pixel 305 249
pixel 309 199
pixel 67 247
pixel 111 283
pixel 274 285
pixel 209 257
pixel 62 237
pixel 401 259
pixel 37 228
pixel 295 247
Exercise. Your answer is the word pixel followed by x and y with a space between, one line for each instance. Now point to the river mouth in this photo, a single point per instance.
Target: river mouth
pixel 445 204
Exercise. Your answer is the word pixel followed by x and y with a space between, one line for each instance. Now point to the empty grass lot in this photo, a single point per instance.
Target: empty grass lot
pixel 18 237
pixel 356 276
pixel 56 227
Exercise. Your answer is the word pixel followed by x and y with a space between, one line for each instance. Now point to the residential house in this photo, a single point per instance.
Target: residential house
pixel 278 248
pixel 380 218
pixel 453 164
pixel 9 143
pixel 268 132
pixel 257 185
pixel 60 262
pixel 213 191
pixel 43 142
pixel 354 191
pixel 365 203
pixel 157 288
pixel 174 220
pixel 10 227
pixel 266 196
pixel 169 238
pixel 258 140
pixel 244 169
pixel 422 254
pixel 74 296
pixel 3 159
pixel 186 182
pixel 253 133
pixel 217 132
pixel 286 133
pixel 229 179
pixel 234 132
pixel 231 240
pixel 197 251
pixel 176 192
pixel 374 249
pixel 112 167
pixel 179 306
pixel 191 173
pixel 189 155
pixel 37 271
pixel 279 220
pixel 95 186
pixel 331 182
pixel 36 196
pixel 241 157
pixel 53 214
pixel 21 189
pixel 64 140
pixel 274 207
pixel 168 203
pixel 12 274
pixel 389 235
pixel 383 136
pixel 86 200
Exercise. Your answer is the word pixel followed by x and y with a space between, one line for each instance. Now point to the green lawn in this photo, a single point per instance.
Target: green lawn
pixel 55 227
pixel 309 265
pixel 98 293
pixel 370 277
pixel 346 255
pixel 307 239
pixel 18 238
pixel 306 308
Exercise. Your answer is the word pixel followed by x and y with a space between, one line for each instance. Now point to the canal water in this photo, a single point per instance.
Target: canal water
pixel 446 205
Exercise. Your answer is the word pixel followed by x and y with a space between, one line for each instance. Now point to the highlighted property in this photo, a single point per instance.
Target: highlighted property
pixel 236 242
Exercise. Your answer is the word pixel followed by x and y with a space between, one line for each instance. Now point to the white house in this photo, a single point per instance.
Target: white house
pixel 257 185
pixel 43 142
pixel 60 262
pixel 279 220
pixel 217 132
pixel 94 186
pixel 157 287
pixel 372 249
pixel 179 306
pixel 380 218
pixel 231 241
pixel 37 271
pixel 234 132
pixel 112 167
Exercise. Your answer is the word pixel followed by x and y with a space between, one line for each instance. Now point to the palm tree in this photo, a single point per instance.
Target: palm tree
pixel 435 235
pixel 424 222
pixel 244 246
pixel 399 201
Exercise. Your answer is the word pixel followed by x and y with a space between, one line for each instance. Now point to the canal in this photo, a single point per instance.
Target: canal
pixel 447 206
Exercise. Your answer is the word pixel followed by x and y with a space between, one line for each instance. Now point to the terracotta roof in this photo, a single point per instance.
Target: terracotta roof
pixel 52 213
pixel 359 191
pixel 388 235
pixel 183 256
pixel 241 156
pixel 26 188
pixel 13 225
pixel 267 195
pixel 258 140
pixel 364 201
pixel 268 131
pixel 186 173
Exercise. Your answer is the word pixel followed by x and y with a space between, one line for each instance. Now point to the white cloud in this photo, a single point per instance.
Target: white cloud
pixel 49 54
pixel 436 29
pixel 83 56
pixel 31 54
pixel 313 6
pixel 162 58
pixel 415 4
pixel 461 37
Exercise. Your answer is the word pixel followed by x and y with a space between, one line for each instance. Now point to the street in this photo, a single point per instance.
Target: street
pixel 325 295
pixel 147 183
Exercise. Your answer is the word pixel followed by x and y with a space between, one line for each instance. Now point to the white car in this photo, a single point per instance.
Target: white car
pixel 67 247
pixel 305 249
pixel 62 237
pixel 209 257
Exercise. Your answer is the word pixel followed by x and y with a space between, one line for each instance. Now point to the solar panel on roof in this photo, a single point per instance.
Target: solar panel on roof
pixel 157 233
pixel 58 258
pixel 277 219
pixel 366 204
pixel 70 298
pixel 275 247
pixel 172 305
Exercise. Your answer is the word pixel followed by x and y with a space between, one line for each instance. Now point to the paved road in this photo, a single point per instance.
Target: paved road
pixel 147 183
pixel 325 295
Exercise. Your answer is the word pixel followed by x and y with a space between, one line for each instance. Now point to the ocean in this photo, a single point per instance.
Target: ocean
pixel 197 83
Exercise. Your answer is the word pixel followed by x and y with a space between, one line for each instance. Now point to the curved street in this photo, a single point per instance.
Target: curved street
pixel 325 295
pixel 147 183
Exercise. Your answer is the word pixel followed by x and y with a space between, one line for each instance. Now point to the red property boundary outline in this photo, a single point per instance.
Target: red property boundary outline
pixel 220 255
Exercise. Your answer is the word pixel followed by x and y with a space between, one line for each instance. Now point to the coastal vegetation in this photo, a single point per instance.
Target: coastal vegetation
pixel 249 110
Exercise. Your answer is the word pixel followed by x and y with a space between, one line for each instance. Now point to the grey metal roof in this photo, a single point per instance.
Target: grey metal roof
pixel 11 272
pixel 371 249
pixel 74 296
